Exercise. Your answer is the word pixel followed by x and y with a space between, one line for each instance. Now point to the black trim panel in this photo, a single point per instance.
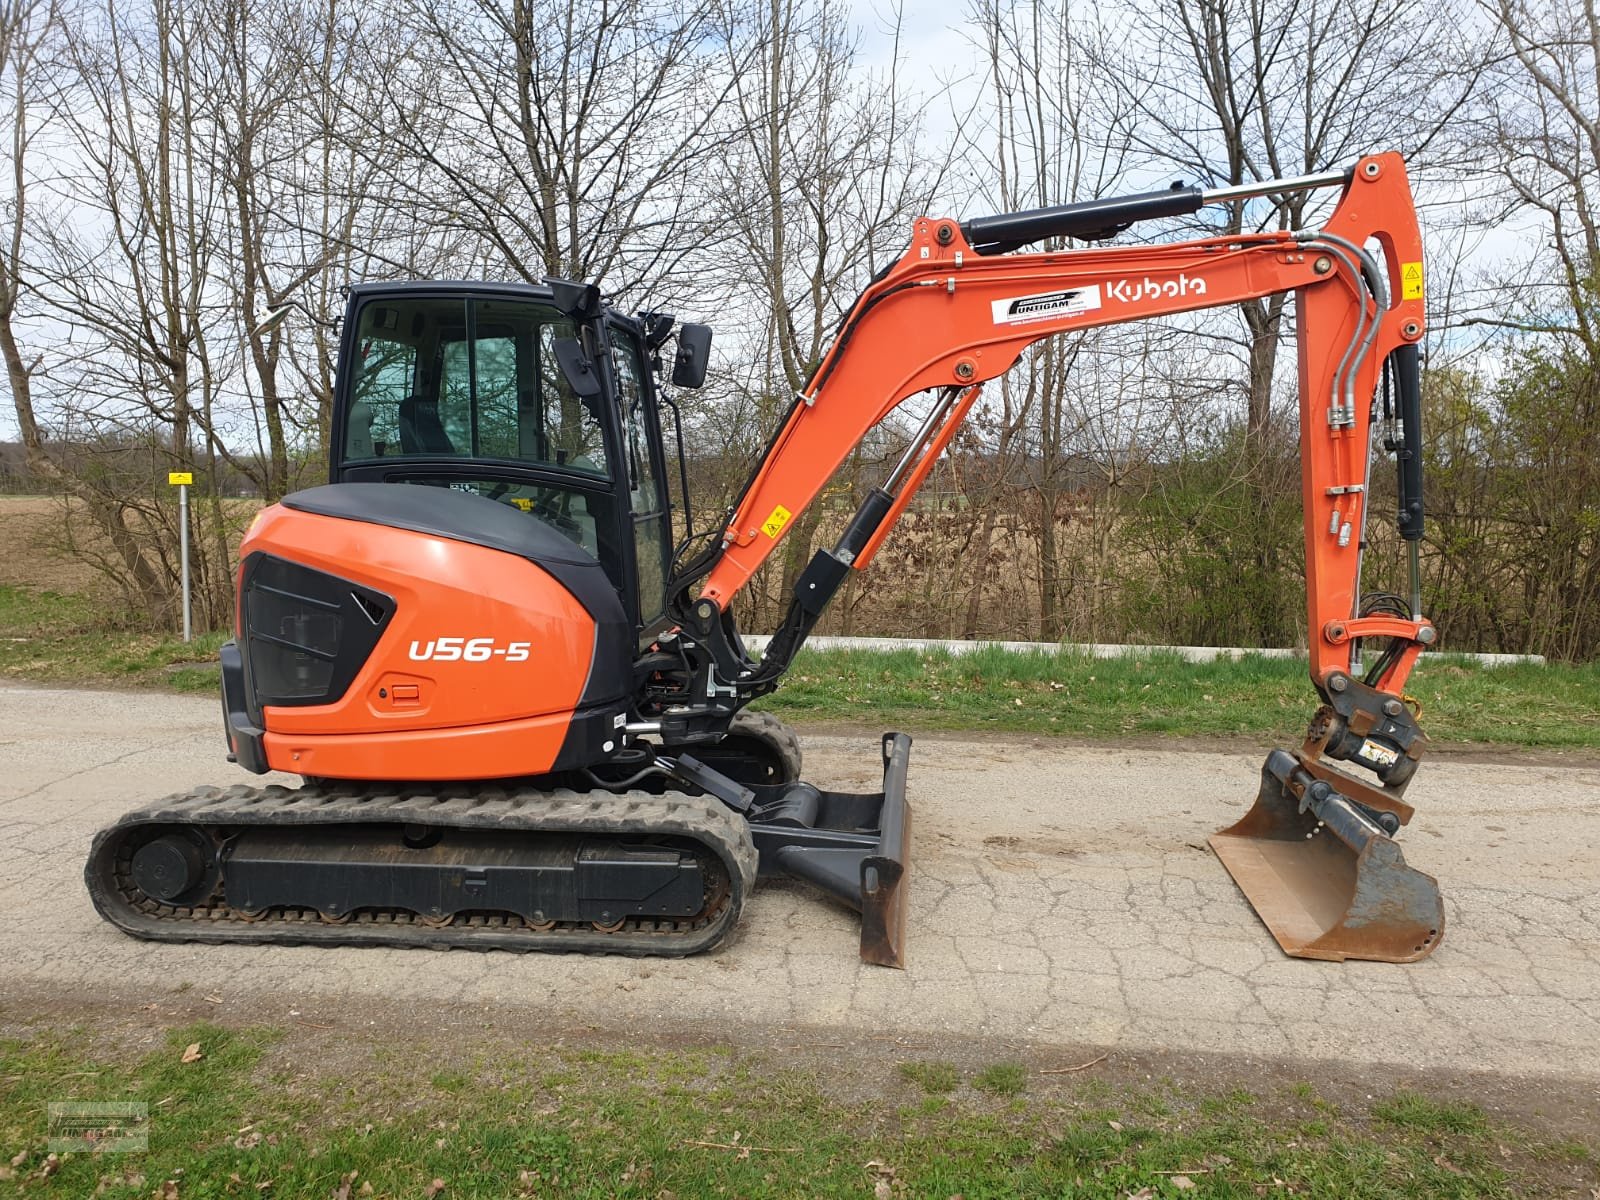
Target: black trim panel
pixel 465 517
pixel 588 733
pixel 306 633
pixel 240 716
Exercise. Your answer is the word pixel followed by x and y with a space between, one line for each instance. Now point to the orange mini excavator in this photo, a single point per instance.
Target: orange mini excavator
pixel 518 712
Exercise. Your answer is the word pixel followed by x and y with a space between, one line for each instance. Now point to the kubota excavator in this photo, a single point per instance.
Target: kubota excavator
pixel 519 714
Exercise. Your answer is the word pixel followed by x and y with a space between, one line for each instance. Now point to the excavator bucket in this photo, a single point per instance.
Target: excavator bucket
pixel 1323 873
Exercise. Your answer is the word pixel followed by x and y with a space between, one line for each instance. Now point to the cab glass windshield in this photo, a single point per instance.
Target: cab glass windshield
pixel 475 379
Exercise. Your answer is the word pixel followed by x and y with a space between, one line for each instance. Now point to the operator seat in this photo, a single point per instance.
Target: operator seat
pixel 421 431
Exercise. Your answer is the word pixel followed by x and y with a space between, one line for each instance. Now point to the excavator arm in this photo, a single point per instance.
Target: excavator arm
pixel 959 308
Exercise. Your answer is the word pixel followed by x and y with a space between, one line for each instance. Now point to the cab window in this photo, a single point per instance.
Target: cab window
pixel 475 379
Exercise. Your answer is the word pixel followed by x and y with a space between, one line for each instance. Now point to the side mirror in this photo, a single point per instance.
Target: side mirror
pixel 693 357
pixel 576 367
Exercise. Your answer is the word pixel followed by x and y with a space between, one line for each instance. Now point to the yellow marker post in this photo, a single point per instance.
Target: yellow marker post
pixel 181 480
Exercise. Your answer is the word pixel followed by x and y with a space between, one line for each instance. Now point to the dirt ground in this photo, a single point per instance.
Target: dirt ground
pixel 354 1043
pixel 32 554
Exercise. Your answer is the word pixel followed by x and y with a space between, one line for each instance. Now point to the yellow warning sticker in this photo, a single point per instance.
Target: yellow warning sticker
pixel 1411 281
pixel 174 478
pixel 774 524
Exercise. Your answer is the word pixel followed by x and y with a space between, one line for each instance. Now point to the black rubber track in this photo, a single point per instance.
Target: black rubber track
pixel 723 837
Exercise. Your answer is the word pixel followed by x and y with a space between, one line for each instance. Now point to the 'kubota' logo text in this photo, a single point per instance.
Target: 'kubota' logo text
pixel 1129 290
pixel 451 649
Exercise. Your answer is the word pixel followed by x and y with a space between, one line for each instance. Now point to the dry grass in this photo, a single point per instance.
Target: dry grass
pixel 32 554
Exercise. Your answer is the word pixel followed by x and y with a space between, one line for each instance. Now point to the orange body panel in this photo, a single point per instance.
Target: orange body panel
pixel 499 751
pixel 944 315
pixel 415 710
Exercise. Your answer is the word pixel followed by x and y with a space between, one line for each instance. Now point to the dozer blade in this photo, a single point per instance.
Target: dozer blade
pixel 1324 876
pixel 883 875
pixel 855 847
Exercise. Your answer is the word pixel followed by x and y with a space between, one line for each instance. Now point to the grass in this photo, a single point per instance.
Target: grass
pixel 48 637
pixel 260 1116
pixel 1002 1079
pixel 1160 694
pixel 52 637
pixel 1412 1111
pixel 934 1078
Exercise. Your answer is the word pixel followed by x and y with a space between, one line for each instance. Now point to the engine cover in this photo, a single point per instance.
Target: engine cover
pixel 390 631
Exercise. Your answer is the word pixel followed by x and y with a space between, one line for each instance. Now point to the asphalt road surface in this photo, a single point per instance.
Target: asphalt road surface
pixel 1060 895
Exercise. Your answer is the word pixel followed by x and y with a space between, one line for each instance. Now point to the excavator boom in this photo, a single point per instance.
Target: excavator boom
pixel 947 315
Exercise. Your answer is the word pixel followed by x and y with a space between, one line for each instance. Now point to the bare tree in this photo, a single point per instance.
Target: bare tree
pixel 1237 91
pixel 566 138
pixel 818 184
pixel 1542 117
pixel 133 273
pixel 25 27
pixel 46 261
pixel 1538 133
pixel 1052 140
pixel 306 208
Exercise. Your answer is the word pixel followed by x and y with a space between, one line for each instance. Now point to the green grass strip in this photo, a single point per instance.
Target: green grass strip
pixel 1155 693
pixel 46 637
pixel 250 1117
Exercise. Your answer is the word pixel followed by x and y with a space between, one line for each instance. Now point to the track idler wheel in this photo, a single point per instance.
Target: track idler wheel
pixel 175 868
pixel 758 749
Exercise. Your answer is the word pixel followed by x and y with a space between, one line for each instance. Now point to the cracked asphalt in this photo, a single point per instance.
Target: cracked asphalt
pixel 1061 895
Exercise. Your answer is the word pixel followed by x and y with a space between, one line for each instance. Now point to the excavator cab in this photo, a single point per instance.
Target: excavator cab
pixel 499 392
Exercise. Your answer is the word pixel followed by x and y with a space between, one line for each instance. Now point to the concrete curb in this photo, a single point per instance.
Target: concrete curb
pixel 1196 654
